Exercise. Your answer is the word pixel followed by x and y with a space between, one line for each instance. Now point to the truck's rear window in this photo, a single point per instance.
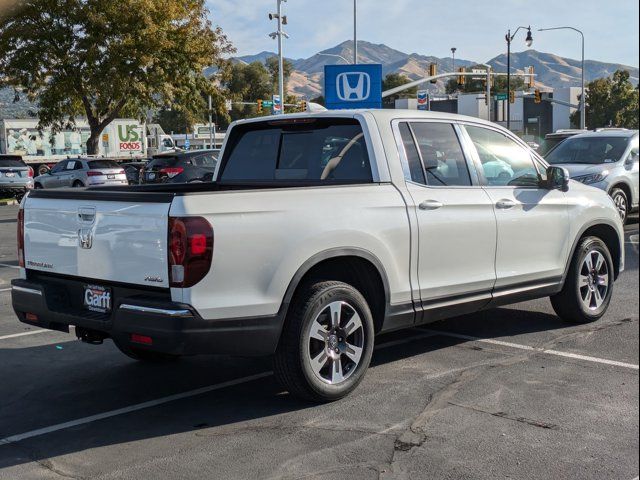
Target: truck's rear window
pixel 318 150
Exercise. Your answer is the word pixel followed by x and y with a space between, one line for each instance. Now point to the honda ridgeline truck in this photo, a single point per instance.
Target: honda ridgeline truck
pixel 320 231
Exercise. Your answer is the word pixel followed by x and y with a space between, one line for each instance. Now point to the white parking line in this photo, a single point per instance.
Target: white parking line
pixel 5 290
pixel 9 266
pixel 170 398
pixel 537 349
pixel 23 334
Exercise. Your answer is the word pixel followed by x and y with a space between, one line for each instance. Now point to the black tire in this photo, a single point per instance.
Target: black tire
pixel 570 304
pixel 294 357
pixel 145 355
pixel 621 201
pixel 77 184
pixel 37 186
pixel 43 169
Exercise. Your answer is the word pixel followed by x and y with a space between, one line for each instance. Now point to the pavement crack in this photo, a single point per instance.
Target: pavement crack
pixel 527 421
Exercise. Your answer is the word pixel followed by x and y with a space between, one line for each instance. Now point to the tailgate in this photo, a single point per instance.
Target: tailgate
pixel 114 241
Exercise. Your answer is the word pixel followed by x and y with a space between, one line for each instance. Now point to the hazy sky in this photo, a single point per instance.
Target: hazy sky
pixel 475 27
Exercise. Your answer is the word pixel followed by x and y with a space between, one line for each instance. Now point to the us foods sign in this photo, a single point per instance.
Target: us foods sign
pixel 129 138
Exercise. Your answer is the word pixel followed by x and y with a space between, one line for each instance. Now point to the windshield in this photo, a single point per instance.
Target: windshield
pixel 588 150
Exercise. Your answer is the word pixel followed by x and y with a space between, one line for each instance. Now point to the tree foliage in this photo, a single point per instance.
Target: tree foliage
pixel 274 70
pixel 393 80
pixel 611 101
pixel 104 59
pixel 478 86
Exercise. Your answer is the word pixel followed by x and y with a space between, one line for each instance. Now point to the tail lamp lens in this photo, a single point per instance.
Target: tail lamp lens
pixel 30 172
pixel 190 250
pixel 21 237
pixel 172 171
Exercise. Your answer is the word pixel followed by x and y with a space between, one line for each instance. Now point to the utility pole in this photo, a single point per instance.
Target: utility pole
pixel 282 20
pixel 453 59
pixel 355 32
pixel 508 37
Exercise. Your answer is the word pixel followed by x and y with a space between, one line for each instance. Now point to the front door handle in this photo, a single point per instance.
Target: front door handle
pixel 430 205
pixel 505 204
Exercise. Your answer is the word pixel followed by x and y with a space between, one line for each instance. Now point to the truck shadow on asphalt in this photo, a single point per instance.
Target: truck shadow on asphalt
pixel 55 383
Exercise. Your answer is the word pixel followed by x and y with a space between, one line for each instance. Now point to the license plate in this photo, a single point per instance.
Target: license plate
pixel 10 174
pixel 97 298
pixel 111 177
pixel 151 176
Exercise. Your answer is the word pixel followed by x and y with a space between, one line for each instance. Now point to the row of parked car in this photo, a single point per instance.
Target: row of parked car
pixel 16 177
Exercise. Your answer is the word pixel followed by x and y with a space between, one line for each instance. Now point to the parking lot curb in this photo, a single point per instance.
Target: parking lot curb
pixel 4 203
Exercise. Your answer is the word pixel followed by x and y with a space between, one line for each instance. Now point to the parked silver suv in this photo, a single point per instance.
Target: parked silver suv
pixel 82 172
pixel 605 159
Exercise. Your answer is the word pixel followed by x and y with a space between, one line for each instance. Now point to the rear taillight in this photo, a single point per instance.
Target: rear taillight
pixel 190 250
pixel 21 237
pixel 172 171
pixel 94 173
pixel 120 172
pixel 30 172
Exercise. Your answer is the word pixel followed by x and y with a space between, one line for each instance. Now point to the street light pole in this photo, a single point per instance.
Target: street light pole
pixel 583 111
pixel 282 20
pixel 453 59
pixel 355 32
pixel 509 38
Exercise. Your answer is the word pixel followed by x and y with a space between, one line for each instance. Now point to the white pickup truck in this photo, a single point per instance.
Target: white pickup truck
pixel 321 231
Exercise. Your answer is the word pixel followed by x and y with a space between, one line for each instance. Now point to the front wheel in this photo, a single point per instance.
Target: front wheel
pixel 621 201
pixel 327 342
pixel 588 287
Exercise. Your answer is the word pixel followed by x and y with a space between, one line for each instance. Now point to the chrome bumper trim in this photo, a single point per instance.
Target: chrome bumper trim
pixel 156 311
pixel 32 291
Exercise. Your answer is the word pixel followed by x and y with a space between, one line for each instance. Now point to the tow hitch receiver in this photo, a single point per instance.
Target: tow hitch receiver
pixel 92 337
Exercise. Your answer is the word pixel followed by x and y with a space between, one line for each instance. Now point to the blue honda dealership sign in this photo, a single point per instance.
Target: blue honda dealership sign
pixel 353 86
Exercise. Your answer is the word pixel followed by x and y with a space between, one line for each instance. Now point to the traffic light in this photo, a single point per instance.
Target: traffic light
pixel 512 97
pixel 462 79
pixel 531 82
pixel 433 71
pixel 537 96
pixel 303 105
pixel 260 106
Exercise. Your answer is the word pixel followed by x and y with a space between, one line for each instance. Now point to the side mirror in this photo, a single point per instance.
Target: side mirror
pixel 557 178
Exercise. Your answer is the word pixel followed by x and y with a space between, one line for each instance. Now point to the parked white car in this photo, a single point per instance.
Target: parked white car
pixel 321 231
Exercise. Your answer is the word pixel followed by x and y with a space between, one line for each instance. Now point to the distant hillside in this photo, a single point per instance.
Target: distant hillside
pixel 555 71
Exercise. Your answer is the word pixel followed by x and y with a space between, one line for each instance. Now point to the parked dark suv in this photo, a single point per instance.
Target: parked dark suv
pixel 184 167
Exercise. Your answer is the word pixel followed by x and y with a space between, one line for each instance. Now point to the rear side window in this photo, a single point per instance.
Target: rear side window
pixel 11 163
pixel 103 164
pixel 413 168
pixel 319 150
pixel 162 162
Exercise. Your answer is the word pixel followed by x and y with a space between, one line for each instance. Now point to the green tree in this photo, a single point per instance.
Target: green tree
pixel 247 83
pixel 105 59
pixel 610 101
pixel 393 80
pixel 274 70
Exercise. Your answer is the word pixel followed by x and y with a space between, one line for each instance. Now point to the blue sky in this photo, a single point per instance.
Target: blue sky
pixel 475 27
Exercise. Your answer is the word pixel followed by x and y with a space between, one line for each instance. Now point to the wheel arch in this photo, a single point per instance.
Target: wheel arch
pixel 607 232
pixel 351 265
pixel 626 188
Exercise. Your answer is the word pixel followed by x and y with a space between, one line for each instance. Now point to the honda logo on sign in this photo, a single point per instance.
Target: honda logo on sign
pixel 353 86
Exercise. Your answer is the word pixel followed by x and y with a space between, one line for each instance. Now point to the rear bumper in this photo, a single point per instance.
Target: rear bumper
pixel 174 328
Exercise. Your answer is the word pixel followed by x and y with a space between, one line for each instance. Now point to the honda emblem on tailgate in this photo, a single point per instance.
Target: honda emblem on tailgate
pixel 85 236
pixel 353 86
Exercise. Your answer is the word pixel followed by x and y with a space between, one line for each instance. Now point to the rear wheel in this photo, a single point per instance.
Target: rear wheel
pixel 37 186
pixel 588 287
pixel 621 201
pixel 327 342
pixel 78 184
pixel 145 355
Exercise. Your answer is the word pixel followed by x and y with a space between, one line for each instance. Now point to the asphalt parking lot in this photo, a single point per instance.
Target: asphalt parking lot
pixel 507 393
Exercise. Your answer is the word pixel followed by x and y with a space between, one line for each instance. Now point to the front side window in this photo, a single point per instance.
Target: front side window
pixel 441 153
pixel 322 150
pixel 504 162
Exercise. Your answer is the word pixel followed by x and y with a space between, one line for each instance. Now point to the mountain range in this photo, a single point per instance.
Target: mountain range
pixel 306 79
pixel 552 70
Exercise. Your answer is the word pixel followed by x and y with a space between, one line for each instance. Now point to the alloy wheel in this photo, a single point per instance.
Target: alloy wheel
pixel 593 280
pixel 621 204
pixel 336 342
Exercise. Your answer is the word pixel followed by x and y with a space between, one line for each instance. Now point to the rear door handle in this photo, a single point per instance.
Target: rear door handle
pixel 505 204
pixel 430 205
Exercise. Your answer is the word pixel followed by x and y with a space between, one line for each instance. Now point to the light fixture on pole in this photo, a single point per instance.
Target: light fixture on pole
pixel 583 112
pixel 453 59
pixel 279 34
pixel 528 41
